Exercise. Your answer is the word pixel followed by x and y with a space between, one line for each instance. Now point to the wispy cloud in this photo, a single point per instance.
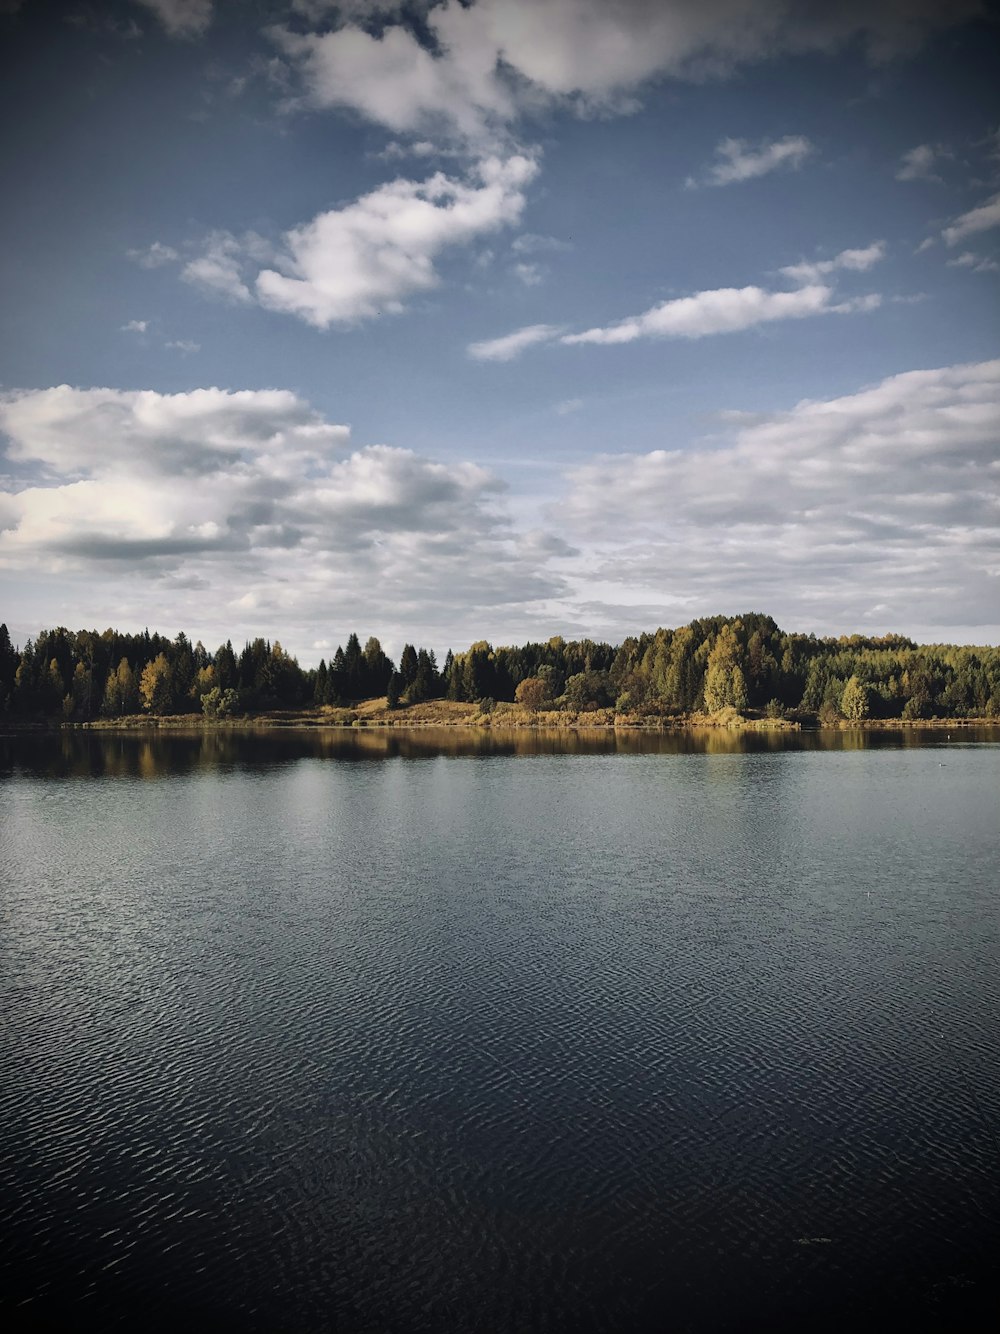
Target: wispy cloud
pixel 714 311
pixel 181 18
pixel 739 160
pixel 154 256
pixel 856 261
pixel 918 164
pixel 531 243
pixel 529 274
pixel 513 344
pixel 719 311
pixel 977 263
pixel 135 326
pixel 220 267
pixel 981 219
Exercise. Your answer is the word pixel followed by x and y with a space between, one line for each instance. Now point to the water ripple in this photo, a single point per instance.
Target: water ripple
pixel 608 1042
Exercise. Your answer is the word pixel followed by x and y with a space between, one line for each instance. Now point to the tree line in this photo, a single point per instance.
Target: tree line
pixel 744 663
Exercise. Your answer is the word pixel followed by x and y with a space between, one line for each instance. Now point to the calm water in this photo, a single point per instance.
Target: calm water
pixel 358 1033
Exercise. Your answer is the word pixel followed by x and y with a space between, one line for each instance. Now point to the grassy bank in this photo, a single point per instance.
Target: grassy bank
pixel 500 716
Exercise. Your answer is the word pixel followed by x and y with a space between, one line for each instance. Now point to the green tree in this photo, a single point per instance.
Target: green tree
pixel 226 666
pixel 219 703
pixel 586 691
pixel 321 684
pixel 377 668
pixel 425 682
pixel 393 691
pixel 408 665
pixel 829 709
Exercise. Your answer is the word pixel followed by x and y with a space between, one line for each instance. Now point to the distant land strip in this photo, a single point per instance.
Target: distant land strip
pixel 734 671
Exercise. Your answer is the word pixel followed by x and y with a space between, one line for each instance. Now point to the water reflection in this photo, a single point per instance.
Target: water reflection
pixel 579 1045
pixel 157 753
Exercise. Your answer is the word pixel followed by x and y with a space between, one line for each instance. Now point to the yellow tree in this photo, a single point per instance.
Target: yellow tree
pixel 155 685
pixel 725 684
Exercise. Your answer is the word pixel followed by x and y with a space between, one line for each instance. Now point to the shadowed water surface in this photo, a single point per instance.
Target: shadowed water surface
pixel 319 1031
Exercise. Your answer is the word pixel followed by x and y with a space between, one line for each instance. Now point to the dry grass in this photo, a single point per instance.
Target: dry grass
pixel 448 713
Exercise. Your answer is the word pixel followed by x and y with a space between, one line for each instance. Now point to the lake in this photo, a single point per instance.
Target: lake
pixel 421 1032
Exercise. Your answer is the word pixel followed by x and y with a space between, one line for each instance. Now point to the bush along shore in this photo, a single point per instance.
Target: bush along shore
pixel 739 671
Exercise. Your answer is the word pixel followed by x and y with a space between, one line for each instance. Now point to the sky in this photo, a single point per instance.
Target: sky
pixel 507 319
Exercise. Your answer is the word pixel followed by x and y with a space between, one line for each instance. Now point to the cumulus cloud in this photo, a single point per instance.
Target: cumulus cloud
pixel 513 344
pixel 362 260
pixel 981 219
pixel 135 326
pixel 886 498
pixel 255 494
pixel 495 58
pixel 101 433
pixel 181 18
pixel 393 80
pixel 741 161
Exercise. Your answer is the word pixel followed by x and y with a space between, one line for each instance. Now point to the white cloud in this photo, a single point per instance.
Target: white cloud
pixel 135 326
pixel 981 219
pixel 496 58
pixel 185 345
pixel 181 18
pixel 855 261
pixel 529 274
pixel 715 311
pixel 530 243
pixel 154 256
pixel 889 496
pixel 362 260
pixel 220 268
pixel 723 310
pixel 99 433
pixel 977 263
pixel 140 496
pixel 393 80
pixel 513 344
pixel 741 161
pixel 918 163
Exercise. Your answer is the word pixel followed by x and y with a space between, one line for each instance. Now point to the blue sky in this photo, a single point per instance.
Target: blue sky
pixel 500 320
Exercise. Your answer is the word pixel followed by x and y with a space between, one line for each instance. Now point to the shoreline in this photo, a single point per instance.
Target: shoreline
pixel 621 723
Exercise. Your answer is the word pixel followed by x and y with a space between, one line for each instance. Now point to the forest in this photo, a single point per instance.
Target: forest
pixel 744 664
